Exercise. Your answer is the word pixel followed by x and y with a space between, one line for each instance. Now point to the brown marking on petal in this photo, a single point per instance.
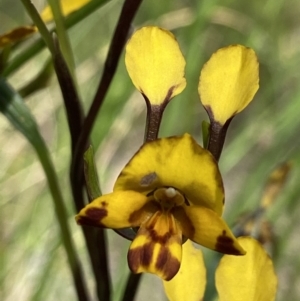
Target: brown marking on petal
pixel 147 254
pixel 147 180
pixel 167 264
pixel 140 215
pixel 96 214
pixel 85 221
pixel 135 216
pixel 225 245
pixel 169 95
pixel 161 239
pixel 185 224
pixel 92 217
pixel 104 204
pixel 140 256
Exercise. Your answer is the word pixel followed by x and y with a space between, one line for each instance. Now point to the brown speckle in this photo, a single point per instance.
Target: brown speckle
pixel 104 204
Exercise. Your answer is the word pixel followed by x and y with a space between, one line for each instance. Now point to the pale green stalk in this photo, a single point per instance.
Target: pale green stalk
pixel 62 34
pixel 39 23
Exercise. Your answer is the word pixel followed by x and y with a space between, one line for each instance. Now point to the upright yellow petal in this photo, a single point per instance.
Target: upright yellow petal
pixel 206 228
pixel 191 278
pixel 155 64
pixel 157 247
pixel 67 6
pixel 16 35
pixel 116 210
pixel 177 162
pixel 248 278
pixel 228 82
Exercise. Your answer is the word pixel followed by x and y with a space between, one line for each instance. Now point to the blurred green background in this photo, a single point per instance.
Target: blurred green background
pixel 33 262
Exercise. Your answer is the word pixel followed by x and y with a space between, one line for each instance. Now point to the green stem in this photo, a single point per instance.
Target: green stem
pixel 63 37
pixel 37 20
pixel 40 81
pixel 61 214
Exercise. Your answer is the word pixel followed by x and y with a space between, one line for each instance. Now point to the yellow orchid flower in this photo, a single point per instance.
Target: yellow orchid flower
pixel 248 278
pixel 171 189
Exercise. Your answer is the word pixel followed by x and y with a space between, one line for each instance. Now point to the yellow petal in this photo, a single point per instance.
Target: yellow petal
pixel 177 162
pixel 228 82
pixel 250 277
pixel 206 228
pixel 157 247
pixel 155 64
pixel 16 35
pixel 191 278
pixel 116 210
pixel 67 6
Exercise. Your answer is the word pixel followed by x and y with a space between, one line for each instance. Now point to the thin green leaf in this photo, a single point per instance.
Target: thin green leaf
pixel 14 108
pixel 40 81
pixel 91 176
pixel 62 34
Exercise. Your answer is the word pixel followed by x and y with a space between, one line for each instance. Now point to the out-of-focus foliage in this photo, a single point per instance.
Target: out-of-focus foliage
pixel 33 264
